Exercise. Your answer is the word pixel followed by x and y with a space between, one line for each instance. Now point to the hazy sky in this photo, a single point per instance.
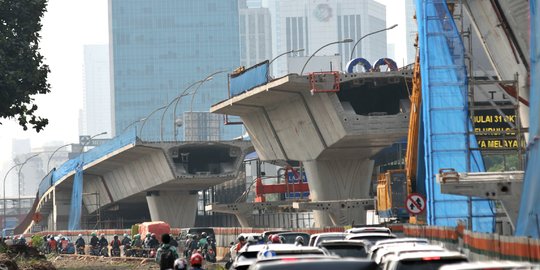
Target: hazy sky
pixel 68 25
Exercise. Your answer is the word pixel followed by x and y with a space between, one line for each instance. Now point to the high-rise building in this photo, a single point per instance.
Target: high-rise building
pixel 97 91
pixel 411 28
pixel 255 35
pixel 158 49
pixel 311 24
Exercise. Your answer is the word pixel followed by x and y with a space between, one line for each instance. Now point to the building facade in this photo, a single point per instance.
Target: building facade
pixel 255 35
pixel 96 91
pixel 158 49
pixel 311 24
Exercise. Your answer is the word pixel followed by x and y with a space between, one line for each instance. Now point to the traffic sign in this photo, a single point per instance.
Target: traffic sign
pixel 415 203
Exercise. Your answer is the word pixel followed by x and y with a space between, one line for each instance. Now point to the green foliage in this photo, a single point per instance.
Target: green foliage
pixel 22 71
pixel 500 163
pixel 37 241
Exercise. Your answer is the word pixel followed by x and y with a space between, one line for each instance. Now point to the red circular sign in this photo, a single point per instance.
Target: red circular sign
pixel 415 203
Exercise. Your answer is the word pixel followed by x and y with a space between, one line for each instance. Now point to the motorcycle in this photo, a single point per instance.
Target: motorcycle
pixel 115 252
pixel 104 251
pixel 94 250
pixel 210 255
pixel 80 250
pixel 127 250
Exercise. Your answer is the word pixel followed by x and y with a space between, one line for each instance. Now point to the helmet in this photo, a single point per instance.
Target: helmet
pixel 241 238
pixel 115 236
pixel 299 239
pixel 80 235
pixel 125 235
pixel 180 264
pixel 60 236
pixel 148 234
pixel 275 239
pixel 137 236
pixel 93 234
pixel 153 235
pixel 102 235
pixel 196 259
pixel 252 239
pixel 203 234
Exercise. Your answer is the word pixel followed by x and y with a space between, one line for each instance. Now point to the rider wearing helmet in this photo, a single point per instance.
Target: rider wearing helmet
pixel 180 264
pixel 275 239
pixel 126 240
pixel 79 243
pixel 153 242
pixel 299 241
pixel 203 242
pixel 94 241
pixel 241 243
pixel 196 261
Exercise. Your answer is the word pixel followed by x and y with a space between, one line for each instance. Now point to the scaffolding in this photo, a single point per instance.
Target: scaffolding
pixel 93 202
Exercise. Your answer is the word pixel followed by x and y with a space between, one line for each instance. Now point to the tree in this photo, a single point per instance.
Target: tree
pixel 22 71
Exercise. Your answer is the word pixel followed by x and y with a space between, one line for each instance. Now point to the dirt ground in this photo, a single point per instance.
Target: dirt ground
pixel 102 263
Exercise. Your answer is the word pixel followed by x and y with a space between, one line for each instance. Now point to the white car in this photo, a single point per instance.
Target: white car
pixel 316 239
pixel 372 252
pixel 502 265
pixel 371 237
pixel 399 249
pixel 431 260
pixel 249 254
pixel 369 230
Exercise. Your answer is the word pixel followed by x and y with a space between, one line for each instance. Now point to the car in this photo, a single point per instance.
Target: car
pixel 310 263
pixel 290 237
pixel 369 229
pixel 346 248
pixel 403 248
pixel 430 260
pixel 249 254
pixel 373 250
pixel 7 233
pixel 316 239
pixel 502 265
pixel 371 237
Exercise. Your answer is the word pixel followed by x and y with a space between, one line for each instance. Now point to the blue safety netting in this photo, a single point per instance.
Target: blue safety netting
pixel 76 164
pixel 252 77
pixel 445 119
pixel 529 211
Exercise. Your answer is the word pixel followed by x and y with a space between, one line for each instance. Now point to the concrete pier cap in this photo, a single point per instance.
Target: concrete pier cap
pixel 333 133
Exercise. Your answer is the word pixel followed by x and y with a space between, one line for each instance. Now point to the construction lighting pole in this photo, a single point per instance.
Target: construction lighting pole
pixel 348 40
pixel 369 34
pixel 291 51
pixel 19 176
pixel 146 118
pixel 49 161
pixel 131 124
pixel 208 78
pixel 5 177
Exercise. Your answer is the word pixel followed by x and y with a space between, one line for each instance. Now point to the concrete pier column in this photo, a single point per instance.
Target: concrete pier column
pixel 61 206
pixel 178 208
pixel 339 180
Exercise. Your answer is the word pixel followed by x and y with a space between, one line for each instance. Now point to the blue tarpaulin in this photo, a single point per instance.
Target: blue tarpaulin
pixel 528 220
pixel 445 118
pixel 250 78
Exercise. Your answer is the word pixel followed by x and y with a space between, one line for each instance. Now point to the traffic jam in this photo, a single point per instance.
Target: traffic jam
pixel 365 248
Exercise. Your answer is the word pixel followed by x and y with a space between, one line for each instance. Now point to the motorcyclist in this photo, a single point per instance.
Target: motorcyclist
pixel 196 261
pixel 126 242
pixel 299 241
pixel 275 239
pixel 79 244
pixel 147 239
pixel 153 242
pixel 240 244
pixel 203 242
pixel 115 246
pixel 180 264
pixel 94 241
pixel 22 240
pixel 137 245
pixel 103 244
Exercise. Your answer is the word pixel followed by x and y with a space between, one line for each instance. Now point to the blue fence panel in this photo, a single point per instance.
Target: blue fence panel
pixel 291 179
pixel 250 78
pixel 445 118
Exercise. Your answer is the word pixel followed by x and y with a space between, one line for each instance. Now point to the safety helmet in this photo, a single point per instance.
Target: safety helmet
pixel 148 234
pixel 125 235
pixel 203 234
pixel 137 236
pixel 102 235
pixel 180 264
pixel 299 239
pixel 93 234
pixel 59 235
pixel 275 239
pixel 241 238
pixel 196 259
pixel 80 235
pixel 115 236
pixel 153 235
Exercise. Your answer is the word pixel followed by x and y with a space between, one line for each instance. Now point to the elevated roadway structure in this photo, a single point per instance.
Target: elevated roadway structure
pixel 334 133
pixel 138 179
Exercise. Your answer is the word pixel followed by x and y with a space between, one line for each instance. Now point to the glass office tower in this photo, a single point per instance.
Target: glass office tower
pixel 158 49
